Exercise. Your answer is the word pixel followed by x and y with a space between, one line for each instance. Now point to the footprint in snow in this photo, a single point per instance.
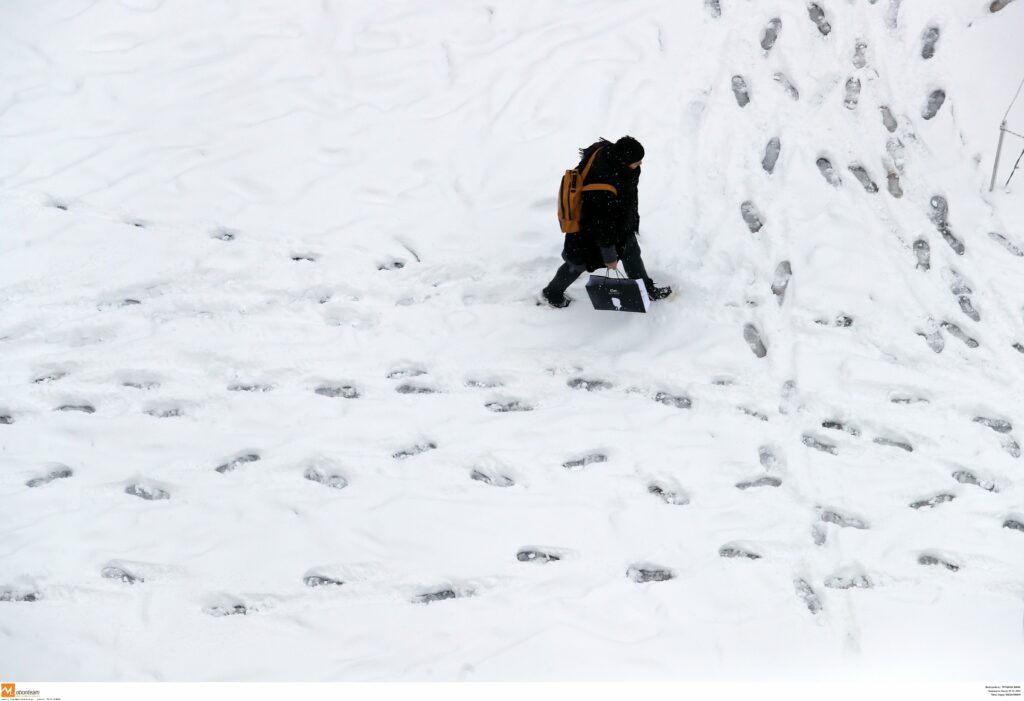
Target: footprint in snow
pixel 859 581
pixel 828 172
pixel 49 377
pixel 1006 243
pixel 967 477
pixel 510 406
pixel 410 388
pixel 842 321
pixel 484 383
pixel 780 281
pixel 818 444
pixel 738 551
pixel 787 85
pixel 861 173
pixel 771 33
pixel 1014 524
pixel 55 473
pixel 998 5
pixel 997 425
pixel 751 216
pixel 223 233
pixel 929 38
pixel 934 103
pixel 807 594
pixel 537 555
pixel 304 257
pixel 819 534
pixel 314 580
pixel 14 595
pixel 141 384
pixel 147 492
pixel 590 385
pixel 324 477
pixel 753 338
pixel 740 90
pixel 578 463
pixel 957 333
pixel 122 574
pixel 495 480
pixel 766 456
pixel 677 401
pixel 892 180
pixel 759 415
pixel 414 450
pixel 164 412
pixel 817 16
pixel 933 337
pixel 843 521
pixel 1010 446
pixel 641 574
pixel 407 372
pixel 924 254
pixel 250 387
pixel 834 425
pixel 967 307
pixel 228 610
pixel 235 463
pixel 393 264
pixel 888 119
pixel 859 54
pixel 83 408
pixel 851 95
pixel 932 502
pixel 771 154
pixel 6 419
pixel 934 560
pixel 892 443
pixel 667 495
pixel 759 482
pixel 332 390
pixel 787 397
pixel 713 7
pixel 907 399
pixel 442 595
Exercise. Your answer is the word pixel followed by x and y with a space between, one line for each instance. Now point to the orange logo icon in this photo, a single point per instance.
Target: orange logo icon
pixel 7 691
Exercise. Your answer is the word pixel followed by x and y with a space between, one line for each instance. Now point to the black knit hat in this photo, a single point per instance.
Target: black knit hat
pixel 629 150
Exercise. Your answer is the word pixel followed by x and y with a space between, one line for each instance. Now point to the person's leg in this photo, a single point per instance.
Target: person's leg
pixel 564 276
pixel 634 265
pixel 631 260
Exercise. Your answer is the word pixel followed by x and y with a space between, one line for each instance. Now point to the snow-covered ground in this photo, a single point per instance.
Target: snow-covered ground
pixel 247 244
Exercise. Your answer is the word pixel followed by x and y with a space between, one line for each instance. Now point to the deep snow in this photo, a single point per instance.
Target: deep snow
pixel 267 281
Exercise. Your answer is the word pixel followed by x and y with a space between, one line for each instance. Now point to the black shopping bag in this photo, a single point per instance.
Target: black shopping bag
pixel 618 294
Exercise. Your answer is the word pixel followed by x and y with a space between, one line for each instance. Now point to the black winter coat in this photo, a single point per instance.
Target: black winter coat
pixel 606 221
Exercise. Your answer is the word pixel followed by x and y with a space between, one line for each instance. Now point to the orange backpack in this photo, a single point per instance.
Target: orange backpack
pixel 570 196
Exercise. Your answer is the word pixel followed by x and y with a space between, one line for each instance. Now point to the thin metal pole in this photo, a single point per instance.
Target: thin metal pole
pixel 999 150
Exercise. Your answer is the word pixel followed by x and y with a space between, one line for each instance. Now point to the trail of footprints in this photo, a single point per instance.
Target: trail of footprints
pixel 324 473
pixel 892 164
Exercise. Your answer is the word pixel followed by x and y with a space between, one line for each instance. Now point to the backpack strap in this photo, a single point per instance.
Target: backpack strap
pixel 601 186
pixel 596 186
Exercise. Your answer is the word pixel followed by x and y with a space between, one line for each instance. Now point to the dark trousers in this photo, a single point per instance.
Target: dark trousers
pixel 629 257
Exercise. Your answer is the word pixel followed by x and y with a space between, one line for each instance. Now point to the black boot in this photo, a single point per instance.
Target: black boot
pixel 558 301
pixel 655 292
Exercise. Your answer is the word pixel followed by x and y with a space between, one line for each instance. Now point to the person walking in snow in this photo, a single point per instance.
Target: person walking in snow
pixel 609 221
